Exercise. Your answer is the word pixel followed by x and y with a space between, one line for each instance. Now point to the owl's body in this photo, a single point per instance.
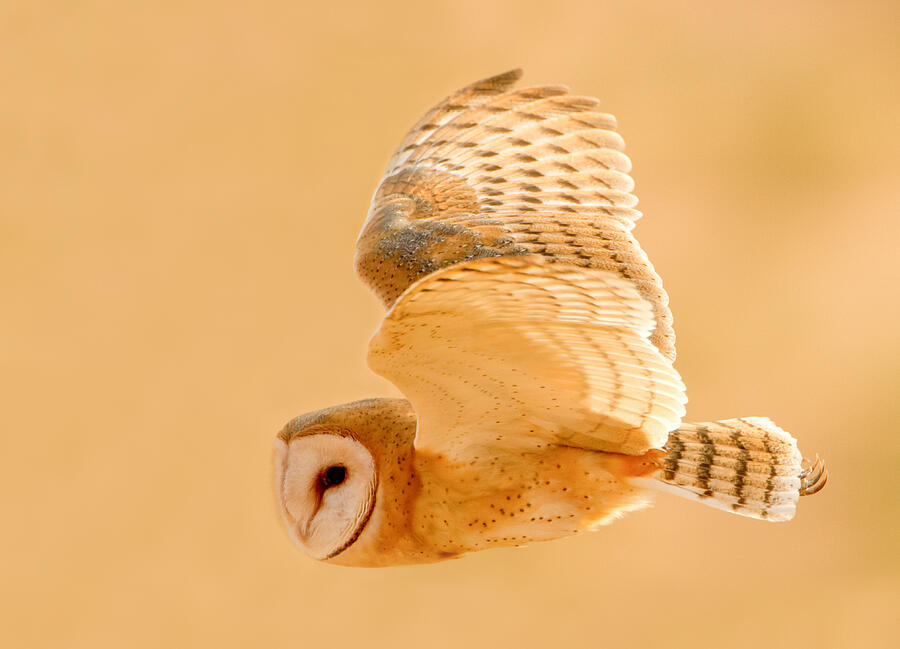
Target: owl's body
pixel 534 341
pixel 432 507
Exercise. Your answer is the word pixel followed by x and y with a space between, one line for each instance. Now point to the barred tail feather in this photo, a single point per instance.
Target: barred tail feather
pixel 747 466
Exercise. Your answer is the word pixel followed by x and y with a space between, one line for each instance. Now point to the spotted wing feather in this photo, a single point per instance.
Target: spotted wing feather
pixel 495 172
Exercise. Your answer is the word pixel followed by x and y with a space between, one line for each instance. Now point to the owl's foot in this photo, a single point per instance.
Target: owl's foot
pixel 813 477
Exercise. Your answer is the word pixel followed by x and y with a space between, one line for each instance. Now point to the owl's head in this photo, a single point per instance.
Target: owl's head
pixel 328 469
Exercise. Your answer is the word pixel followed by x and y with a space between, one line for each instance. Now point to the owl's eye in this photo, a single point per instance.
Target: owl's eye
pixel 333 476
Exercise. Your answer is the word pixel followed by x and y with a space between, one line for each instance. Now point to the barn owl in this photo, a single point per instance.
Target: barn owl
pixel 534 341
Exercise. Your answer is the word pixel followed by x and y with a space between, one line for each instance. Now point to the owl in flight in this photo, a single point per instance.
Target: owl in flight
pixel 534 341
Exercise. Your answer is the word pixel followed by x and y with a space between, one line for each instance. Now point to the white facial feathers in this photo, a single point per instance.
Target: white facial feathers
pixel 326 485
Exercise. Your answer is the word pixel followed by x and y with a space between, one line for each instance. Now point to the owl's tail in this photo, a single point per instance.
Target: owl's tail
pixel 746 466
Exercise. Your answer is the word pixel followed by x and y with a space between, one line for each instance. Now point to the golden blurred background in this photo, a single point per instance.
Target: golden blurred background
pixel 181 185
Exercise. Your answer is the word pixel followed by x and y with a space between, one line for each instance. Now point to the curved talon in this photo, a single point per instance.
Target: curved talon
pixel 813 478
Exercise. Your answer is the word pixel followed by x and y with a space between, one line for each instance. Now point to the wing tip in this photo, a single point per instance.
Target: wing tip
pixel 495 84
pixel 507 78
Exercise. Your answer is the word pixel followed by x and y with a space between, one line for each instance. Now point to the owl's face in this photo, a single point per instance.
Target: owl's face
pixel 340 472
pixel 326 482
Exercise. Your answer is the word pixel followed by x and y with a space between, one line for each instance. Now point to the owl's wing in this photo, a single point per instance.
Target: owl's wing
pixel 494 172
pixel 521 351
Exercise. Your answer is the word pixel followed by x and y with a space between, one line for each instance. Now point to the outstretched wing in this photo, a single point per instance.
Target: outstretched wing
pixel 521 351
pixel 494 172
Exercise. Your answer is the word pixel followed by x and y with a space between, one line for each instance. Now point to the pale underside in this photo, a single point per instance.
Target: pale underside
pixel 519 352
pixel 495 172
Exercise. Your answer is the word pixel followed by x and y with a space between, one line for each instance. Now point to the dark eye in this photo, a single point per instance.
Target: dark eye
pixel 333 476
